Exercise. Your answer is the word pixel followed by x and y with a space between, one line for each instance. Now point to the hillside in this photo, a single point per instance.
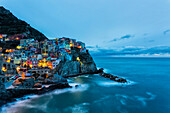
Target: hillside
pixel 11 25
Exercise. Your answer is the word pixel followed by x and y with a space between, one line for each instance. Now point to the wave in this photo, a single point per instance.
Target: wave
pixel 143 100
pixel 80 87
pixel 10 107
pixel 24 101
pixel 133 100
pixel 105 69
pixel 110 83
pixel 78 108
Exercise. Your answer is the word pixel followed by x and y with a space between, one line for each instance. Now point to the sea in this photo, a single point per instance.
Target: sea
pixel 147 90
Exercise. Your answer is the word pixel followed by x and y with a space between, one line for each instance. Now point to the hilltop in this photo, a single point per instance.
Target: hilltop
pixel 11 25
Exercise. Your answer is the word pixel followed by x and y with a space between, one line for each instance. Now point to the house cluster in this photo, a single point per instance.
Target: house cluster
pixel 36 55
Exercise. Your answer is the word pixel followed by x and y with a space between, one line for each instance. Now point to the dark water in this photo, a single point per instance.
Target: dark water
pixel 148 90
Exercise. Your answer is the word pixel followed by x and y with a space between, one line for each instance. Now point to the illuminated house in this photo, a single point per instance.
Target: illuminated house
pixel 1 49
pixel 80 45
pixel 50 64
pixel 25 42
pixel 67 47
pixel 2 37
pixel 62 44
pixel 34 61
pixel 35 44
pixel 17 60
pixel 28 62
pixel 17 57
pixel 44 62
pixel 23 59
pixel 15 37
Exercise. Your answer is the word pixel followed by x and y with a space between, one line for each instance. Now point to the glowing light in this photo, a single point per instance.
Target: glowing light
pixel 17 38
pixel 40 64
pixel 71 45
pixel 78 59
pixel 44 60
pixel 18 47
pixel 9 50
pixel 79 47
pixel 4 69
pixel 8 61
pixel 44 64
pixel 30 66
pixel 44 54
pixel 18 69
pixel 6 39
pixel 23 75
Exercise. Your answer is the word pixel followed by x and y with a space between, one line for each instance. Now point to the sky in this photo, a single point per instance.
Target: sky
pixel 104 24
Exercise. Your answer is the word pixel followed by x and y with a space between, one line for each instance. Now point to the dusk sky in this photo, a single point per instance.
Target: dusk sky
pixel 106 23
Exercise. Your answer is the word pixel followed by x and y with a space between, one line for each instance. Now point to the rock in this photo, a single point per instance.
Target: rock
pixel 28 83
pixel 114 78
pixel 86 65
pixel 76 86
pixel 69 68
pixel 3 91
pixel 88 68
pixel 24 83
pixel 40 78
pixel 28 98
pixel 37 85
pixel 100 70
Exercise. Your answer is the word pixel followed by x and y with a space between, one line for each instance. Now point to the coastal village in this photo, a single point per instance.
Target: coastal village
pixel 32 62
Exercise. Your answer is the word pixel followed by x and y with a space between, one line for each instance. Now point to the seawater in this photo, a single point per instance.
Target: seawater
pixel 147 90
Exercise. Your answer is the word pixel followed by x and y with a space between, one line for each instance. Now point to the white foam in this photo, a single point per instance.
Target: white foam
pixel 126 100
pixel 123 102
pixel 10 107
pixel 111 83
pixel 78 108
pixel 105 70
pixel 22 101
pixel 80 88
pixel 152 96
pixel 102 99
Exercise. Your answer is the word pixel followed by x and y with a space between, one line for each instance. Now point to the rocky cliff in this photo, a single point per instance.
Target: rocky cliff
pixel 10 25
pixel 3 93
pixel 86 65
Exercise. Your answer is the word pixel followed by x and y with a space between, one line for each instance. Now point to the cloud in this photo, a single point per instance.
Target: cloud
pixel 134 51
pixel 126 36
pixel 122 38
pixel 167 31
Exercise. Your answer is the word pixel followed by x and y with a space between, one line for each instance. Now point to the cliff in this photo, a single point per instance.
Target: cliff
pixel 11 25
pixel 86 65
